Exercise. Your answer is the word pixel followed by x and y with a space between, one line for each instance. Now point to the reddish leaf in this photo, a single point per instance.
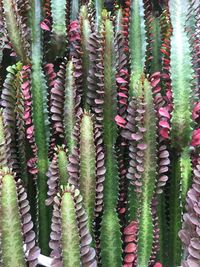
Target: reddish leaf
pixel 164 124
pixel 121 80
pixel 196 110
pixel 122 95
pixel 164 112
pixel 155 82
pixel 119 120
pixel 44 26
pixel 164 133
pixel 196 138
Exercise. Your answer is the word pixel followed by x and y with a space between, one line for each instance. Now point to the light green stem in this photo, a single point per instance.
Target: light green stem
pixel 10 225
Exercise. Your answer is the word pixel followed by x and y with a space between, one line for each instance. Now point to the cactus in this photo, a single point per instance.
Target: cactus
pixel 15 224
pixel 99 133
pixel 70 238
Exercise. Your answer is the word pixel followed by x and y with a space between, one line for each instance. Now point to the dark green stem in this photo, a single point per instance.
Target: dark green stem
pixel 38 89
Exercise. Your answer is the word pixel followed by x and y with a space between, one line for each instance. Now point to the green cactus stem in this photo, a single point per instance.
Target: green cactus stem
pixel 5 154
pixel 70 233
pixel 64 106
pixel 186 174
pixel 15 224
pixel 142 171
pixel 98 5
pixel 153 54
pixel 74 9
pixel 70 238
pixel 13 104
pixel 71 104
pixel 16 29
pixel 148 179
pixel 137 43
pixel 62 166
pixel 175 214
pixel 87 166
pixel 85 25
pixel 189 232
pixel 59 27
pixel 40 120
pixel 11 236
pixel 181 179
pixel 181 76
pixel 57 173
pixel 110 232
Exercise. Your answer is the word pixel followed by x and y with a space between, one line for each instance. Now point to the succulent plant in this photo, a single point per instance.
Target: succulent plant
pixel 16 224
pixel 99 133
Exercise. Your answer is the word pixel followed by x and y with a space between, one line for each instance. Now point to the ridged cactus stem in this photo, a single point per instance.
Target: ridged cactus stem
pixel 145 235
pixel 109 126
pixel 189 233
pixel 137 42
pixel 87 167
pixel 57 174
pixel 70 236
pixel 175 214
pixel 99 4
pixel 181 76
pixel 180 184
pixel 3 143
pixel 14 106
pixel 62 166
pixel 71 103
pixel 59 27
pixel 12 19
pixel 163 227
pixel 10 224
pixel 153 53
pixel 186 174
pixel 85 34
pixel 38 90
pixel 110 229
pixel 74 9
pixel 140 131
